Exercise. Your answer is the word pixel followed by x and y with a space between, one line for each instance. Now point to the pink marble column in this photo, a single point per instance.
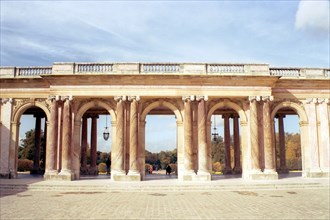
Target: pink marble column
pixel 93 166
pixel 202 144
pixel 66 140
pixel 237 152
pixel 283 168
pixel 37 145
pixel 84 144
pixel 268 137
pixel 133 136
pixel 52 136
pixel 227 169
pixel 254 135
pixel 188 151
pixel 117 154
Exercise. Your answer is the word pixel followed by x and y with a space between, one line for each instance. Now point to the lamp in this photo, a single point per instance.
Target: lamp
pixel 215 133
pixel 106 133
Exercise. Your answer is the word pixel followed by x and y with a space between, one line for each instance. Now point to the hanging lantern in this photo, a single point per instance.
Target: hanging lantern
pixel 106 133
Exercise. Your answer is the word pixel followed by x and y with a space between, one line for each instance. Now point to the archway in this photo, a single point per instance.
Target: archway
pixel 160 124
pixel 288 119
pixel 95 128
pixel 29 124
pixel 226 123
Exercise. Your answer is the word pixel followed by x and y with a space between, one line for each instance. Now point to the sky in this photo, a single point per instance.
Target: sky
pixel 280 33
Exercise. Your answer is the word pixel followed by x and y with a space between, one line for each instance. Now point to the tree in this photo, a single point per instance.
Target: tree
pixel 27 148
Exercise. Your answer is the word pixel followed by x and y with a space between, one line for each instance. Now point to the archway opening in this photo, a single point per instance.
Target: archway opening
pixel 95 142
pixel 161 145
pixel 31 153
pixel 226 153
pixel 287 143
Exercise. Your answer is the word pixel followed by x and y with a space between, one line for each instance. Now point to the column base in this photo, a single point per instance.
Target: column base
pixel 66 175
pixel 93 171
pixel 4 175
pixel 51 175
pixel 316 173
pixel 283 170
pixel 227 170
pixel 188 175
pixel 237 170
pixel 118 175
pixel 133 176
pixel 203 176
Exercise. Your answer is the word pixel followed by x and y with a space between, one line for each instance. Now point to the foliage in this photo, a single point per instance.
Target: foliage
pixel 217 167
pixel 174 168
pixel 292 151
pixel 24 165
pixel 102 167
pixel 161 159
pixel 27 148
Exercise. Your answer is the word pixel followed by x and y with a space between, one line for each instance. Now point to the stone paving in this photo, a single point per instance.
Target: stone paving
pixel 293 197
pixel 256 204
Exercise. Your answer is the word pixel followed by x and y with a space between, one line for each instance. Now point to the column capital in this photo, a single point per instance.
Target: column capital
pixel 5 100
pixel 120 98
pixel 54 97
pixel 188 98
pixel 201 97
pixel 256 98
pixel 226 115
pixel 322 100
pixel 67 97
pixel 267 98
pixel 131 98
pixel 311 100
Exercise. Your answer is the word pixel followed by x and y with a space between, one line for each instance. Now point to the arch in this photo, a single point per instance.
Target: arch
pixel 229 104
pixel 294 106
pixel 158 104
pixel 18 113
pixel 95 103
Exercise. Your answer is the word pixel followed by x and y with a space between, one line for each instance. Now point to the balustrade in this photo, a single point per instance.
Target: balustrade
pixel 33 71
pixel 160 68
pixel 225 68
pixel 83 68
pixel 284 72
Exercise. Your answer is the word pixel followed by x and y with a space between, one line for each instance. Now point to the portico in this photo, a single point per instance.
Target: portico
pixel 248 95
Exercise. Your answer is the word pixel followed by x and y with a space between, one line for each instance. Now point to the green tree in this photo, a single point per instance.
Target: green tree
pixel 27 147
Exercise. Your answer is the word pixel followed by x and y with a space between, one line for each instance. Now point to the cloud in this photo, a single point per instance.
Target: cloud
pixel 313 16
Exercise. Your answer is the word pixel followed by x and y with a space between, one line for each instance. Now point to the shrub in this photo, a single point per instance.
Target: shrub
pixel 174 168
pixel 217 167
pixel 102 167
pixel 24 165
pixel 147 167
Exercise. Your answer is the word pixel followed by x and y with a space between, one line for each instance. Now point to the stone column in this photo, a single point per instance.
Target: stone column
pixel 237 151
pixel 283 168
pixel 52 135
pixel 227 169
pixel 84 145
pixel 188 151
pixel 66 172
pixel 203 172
pixel 254 135
pixel 93 166
pixel 37 145
pixel 133 172
pixel 268 138
pixel 117 154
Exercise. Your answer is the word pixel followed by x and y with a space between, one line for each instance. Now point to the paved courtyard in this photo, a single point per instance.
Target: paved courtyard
pixel 252 204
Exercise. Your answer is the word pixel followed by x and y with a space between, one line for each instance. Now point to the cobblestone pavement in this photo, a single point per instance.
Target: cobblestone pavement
pixel 253 204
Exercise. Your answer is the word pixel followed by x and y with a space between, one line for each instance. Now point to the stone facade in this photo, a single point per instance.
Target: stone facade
pixel 252 95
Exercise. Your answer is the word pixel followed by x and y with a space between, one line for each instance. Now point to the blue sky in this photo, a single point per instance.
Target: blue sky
pixel 281 33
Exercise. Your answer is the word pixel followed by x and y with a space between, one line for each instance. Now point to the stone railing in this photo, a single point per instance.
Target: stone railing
pixel 33 71
pixel 225 68
pixel 159 68
pixel 292 72
pixel 93 67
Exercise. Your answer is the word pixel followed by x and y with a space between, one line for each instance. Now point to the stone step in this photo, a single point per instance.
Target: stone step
pixel 157 187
